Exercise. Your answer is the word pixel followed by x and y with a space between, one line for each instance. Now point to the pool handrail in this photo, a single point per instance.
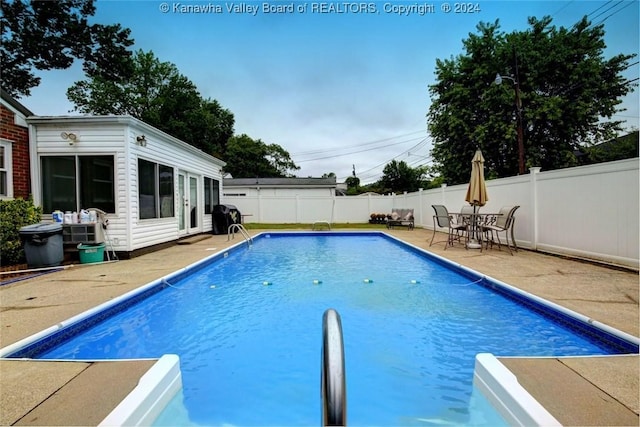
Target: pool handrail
pixel 231 233
pixel 333 381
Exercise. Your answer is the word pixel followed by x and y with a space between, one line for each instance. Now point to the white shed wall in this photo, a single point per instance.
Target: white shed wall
pixel 147 232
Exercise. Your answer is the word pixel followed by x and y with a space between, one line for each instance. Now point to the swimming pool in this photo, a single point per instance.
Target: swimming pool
pixel 412 326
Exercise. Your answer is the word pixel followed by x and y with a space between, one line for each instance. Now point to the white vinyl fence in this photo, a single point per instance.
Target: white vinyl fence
pixel 588 211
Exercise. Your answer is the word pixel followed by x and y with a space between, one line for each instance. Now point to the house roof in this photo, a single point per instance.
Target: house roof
pixel 15 105
pixel 281 182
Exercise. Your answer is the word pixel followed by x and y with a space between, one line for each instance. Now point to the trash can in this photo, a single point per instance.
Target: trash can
pixel 91 252
pixel 223 217
pixel 42 244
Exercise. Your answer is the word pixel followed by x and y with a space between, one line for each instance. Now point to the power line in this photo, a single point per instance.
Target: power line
pixel 617 11
pixel 562 8
pixel 333 156
pixel 606 10
pixel 364 174
pixel 304 153
pixel 599 8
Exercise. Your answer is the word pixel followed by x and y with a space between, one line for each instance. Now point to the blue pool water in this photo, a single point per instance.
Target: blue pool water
pixel 247 327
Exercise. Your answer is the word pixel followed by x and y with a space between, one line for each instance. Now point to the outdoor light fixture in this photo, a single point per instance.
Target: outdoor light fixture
pixel 69 136
pixel 516 86
pixel 141 140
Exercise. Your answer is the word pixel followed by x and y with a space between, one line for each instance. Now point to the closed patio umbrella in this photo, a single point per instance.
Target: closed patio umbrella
pixel 477 190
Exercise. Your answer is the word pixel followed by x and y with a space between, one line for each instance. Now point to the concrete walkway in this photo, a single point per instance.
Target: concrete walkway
pixel 568 388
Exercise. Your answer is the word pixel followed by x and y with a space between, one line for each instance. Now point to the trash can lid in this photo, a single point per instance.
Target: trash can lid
pixel 43 227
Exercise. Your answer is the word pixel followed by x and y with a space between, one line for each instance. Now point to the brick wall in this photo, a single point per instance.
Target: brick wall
pixel 19 135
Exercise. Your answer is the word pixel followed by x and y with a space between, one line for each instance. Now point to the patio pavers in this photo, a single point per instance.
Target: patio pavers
pixel 557 388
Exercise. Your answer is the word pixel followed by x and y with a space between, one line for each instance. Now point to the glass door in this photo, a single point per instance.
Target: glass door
pixel 193 205
pixel 182 204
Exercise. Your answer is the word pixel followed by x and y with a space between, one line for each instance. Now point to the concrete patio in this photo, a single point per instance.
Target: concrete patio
pixel 576 391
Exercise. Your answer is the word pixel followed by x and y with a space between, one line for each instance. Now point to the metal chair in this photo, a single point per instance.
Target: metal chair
pixel 455 230
pixel 503 224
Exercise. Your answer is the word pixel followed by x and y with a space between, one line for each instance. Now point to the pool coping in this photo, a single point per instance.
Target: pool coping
pixel 502 389
pixel 148 399
pixel 165 282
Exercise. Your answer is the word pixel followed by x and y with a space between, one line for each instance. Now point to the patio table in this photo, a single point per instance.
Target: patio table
pixel 474 222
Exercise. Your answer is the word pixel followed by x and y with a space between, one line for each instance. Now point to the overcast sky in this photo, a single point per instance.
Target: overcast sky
pixel 335 84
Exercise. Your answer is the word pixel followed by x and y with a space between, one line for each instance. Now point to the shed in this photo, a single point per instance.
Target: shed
pixel 154 188
pixel 279 187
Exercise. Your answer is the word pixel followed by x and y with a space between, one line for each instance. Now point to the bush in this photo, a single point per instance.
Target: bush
pixel 15 214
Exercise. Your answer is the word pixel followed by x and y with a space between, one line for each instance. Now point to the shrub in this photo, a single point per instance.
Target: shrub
pixel 15 214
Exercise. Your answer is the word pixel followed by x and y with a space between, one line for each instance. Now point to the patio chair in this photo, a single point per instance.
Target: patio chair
pixel 503 224
pixel 464 216
pixel 455 230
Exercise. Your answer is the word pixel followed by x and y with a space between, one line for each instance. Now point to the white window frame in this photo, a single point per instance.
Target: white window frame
pixel 8 168
pixel 77 177
pixel 157 198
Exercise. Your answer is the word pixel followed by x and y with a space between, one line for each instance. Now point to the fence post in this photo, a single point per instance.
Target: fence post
pixel 259 206
pixel 333 208
pixel 443 187
pixel 534 206
pixel 420 208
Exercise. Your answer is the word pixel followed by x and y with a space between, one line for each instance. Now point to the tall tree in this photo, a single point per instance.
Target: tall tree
pixel 45 35
pixel 398 177
pixel 249 158
pixel 159 95
pixel 565 87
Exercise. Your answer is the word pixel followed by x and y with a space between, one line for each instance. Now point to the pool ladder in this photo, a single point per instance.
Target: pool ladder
pixel 333 380
pixel 231 233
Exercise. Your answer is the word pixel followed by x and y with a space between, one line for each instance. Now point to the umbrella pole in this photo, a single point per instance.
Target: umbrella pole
pixel 473 241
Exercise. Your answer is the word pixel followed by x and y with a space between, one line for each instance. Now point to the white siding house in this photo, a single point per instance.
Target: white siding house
pixel 153 187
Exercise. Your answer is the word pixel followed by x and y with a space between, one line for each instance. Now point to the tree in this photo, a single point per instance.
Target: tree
pixel 565 85
pixel 249 158
pixel 45 35
pixel 400 177
pixel 624 147
pixel 159 95
pixel 280 160
pixel 353 183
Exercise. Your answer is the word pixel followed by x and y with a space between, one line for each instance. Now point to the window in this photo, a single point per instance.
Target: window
pixel 211 194
pixel 155 190
pixel 71 183
pixel 6 185
pixel 96 183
